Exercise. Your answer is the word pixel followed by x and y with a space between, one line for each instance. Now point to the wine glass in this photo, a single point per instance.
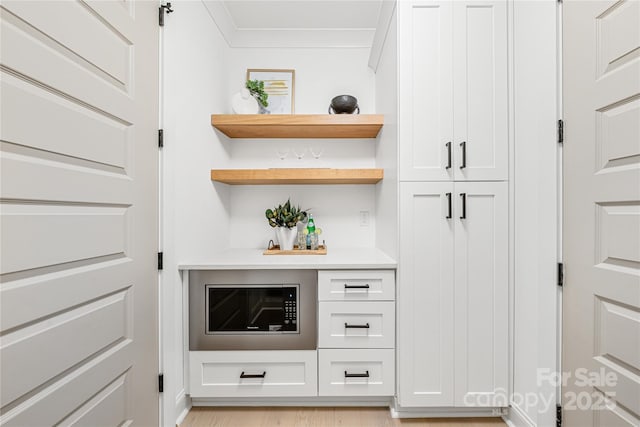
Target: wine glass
pixel 316 152
pixel 299 153
pixel 282 153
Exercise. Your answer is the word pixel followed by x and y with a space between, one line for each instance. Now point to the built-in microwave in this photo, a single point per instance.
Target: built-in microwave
pixel 252 310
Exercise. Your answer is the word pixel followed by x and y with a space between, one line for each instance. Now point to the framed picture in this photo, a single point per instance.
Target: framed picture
pixel 279 85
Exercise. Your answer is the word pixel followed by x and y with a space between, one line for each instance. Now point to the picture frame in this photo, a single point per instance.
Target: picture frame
pixel 279 85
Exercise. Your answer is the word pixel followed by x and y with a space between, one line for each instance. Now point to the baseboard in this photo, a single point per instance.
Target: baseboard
pixel 446 412
pixel 292 401
pixel 183 405
pixel 517 418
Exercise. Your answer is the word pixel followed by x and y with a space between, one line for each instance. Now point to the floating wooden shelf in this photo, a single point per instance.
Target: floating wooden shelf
pixel 298 125
pixel 296 176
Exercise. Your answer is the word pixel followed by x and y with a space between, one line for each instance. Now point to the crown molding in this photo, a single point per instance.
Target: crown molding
pixel 382 30
pixel 286 37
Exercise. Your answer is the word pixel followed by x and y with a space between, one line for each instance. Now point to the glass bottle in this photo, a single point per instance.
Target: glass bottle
pixel 311 229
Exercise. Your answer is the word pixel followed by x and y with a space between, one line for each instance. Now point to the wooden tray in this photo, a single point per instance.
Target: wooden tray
pixel 275 250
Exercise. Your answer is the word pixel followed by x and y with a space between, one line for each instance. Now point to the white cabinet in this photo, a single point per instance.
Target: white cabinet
pixel 356 372
pixel 356 324
pixel 425 295
pixel 453 297
pixel 356 333
pixel 425 51
pixel 453 90
pixel 481 294
pixel 356 285
pixel 253 373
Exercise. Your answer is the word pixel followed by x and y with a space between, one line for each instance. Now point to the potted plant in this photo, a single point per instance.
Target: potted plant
pixel 284 219
pixel 256 89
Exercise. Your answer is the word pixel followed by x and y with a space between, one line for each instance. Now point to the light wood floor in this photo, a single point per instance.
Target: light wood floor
pixel 319 417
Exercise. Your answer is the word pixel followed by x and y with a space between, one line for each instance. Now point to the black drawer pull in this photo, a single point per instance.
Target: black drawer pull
pixel 448 206
pixel 262 375
pixel 356 286
pixel 348 326
pixel 348 375
pixel 448 144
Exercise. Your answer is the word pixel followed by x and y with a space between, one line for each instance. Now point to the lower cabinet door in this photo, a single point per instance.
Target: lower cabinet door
pixel 356 372
pixel 253 373
pixel 428 211
pixel 482 295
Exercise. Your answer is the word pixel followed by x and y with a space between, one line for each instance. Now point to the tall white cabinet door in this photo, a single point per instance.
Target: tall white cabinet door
pixel 425 296
pixel 481 294
pixel 426 91
pixel 480 90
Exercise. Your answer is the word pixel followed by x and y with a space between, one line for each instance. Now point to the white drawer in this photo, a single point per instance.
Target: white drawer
pixel 356 285
pixel 356 324
pixel 286 373
pixel 356 372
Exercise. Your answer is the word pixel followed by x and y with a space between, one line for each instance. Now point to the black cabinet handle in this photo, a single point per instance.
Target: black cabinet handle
pixel 464 205
pixel 348 375
pixel 348 326
pixel 463 144
pixel 448 144
pixel 262 375
pixel 449 206
pixel 356 286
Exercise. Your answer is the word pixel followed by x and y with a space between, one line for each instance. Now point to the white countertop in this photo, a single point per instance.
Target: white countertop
pixel 253 259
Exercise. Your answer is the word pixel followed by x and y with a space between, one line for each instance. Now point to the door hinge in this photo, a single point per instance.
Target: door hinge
pixel 558 415
pixel 160 256
pixel 560 131
pixel 560 274
pixel 161 11
pixel 161 383
pixel 160 138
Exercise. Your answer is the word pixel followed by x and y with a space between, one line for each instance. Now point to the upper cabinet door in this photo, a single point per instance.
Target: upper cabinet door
pixel 480 90
pixel 426 90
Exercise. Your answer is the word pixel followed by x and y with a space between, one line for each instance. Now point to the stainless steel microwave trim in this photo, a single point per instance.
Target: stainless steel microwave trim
pixel 306 339
pixel 249 332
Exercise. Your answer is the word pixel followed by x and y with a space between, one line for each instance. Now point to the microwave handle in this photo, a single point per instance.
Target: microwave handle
pixel 262 375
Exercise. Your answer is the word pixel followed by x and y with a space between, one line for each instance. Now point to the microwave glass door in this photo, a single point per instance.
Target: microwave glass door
pixel 252 309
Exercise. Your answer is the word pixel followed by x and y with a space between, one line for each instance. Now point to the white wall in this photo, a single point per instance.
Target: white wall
pixel 195 220
pixel 536 210
pixel 321 74
pixel 387 144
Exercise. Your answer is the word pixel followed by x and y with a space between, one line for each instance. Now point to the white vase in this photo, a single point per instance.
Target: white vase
pixel 286 237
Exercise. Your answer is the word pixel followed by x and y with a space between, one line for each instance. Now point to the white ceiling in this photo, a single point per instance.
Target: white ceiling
pixel 309 14
pixel 296 23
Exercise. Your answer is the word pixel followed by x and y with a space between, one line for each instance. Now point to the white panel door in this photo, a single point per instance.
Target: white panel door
pixel 601 224
pixel 480 90
pixel 426 92
pixel 78 212
pixel 425 295
pixel 481 294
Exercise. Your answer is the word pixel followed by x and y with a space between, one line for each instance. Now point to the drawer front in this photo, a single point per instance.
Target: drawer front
pixel 264 373
pixel 356 285
pixel 356 372
pixel 356 324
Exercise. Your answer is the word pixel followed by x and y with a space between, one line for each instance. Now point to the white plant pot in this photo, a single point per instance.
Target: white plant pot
pixel 286 237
